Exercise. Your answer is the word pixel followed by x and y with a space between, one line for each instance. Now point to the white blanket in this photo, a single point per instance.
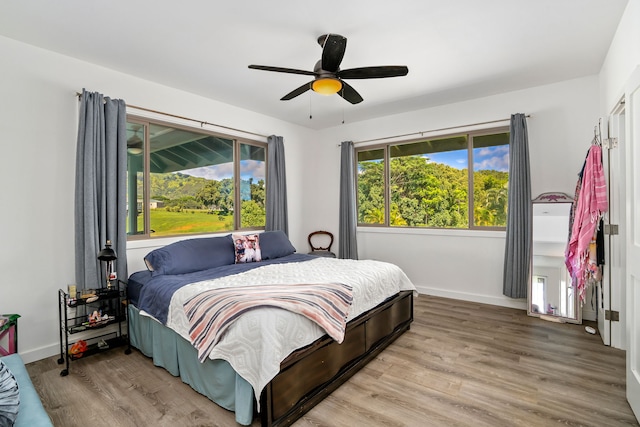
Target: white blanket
pixel 261 339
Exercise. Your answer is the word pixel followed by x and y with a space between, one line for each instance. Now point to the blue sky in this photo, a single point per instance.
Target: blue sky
pixel 455 159
pixel 493 158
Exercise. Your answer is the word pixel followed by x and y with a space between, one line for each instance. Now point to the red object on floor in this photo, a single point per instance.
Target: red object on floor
pixel 78 349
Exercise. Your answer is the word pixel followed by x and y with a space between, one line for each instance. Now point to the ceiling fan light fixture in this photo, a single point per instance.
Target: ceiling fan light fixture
pixel 326 86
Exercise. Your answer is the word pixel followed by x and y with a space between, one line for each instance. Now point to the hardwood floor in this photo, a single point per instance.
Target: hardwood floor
pixel 461 364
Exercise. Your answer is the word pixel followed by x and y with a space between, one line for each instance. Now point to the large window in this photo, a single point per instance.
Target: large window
pixel 427 183
pixel 184 180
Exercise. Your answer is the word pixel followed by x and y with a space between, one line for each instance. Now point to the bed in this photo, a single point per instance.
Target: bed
pixel 270 361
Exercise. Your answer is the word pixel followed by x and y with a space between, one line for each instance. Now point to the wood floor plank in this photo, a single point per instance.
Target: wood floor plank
pixel 461 364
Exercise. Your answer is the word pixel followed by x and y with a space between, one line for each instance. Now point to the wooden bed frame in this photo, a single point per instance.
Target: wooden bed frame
pixel 310 374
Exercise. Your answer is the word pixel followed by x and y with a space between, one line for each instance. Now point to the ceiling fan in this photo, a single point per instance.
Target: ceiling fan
pixel 329 78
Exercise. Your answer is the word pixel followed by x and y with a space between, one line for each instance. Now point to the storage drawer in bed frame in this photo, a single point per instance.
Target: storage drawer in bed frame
pixel 308 375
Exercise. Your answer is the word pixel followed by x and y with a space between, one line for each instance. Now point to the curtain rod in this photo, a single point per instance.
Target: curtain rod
pixel 435 130
pixel 202 122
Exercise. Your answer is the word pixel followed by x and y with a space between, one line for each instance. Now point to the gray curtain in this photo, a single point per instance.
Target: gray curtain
pixel 100 200
pixel 276 205
pixel 348 245
pixel 517 254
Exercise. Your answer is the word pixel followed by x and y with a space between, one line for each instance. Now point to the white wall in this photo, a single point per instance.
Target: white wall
pixel 38 127
pixel 468 264
pixel 622 58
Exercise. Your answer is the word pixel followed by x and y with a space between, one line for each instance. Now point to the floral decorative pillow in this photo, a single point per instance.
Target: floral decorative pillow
pixel 247 247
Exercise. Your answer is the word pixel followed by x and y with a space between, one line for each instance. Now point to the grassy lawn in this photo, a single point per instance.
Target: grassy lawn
pixel 188 221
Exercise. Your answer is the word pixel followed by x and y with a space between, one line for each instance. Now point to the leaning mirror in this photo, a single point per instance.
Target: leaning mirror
pixel 551 294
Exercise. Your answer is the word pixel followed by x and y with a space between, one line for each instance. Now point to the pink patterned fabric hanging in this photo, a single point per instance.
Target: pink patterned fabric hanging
pixel 591 205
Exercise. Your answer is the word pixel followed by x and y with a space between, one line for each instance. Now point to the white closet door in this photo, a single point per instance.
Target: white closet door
pixel 632 113
pixel 611 289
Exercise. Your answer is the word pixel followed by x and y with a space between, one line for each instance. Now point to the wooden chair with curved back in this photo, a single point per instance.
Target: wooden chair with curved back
pixel 320 250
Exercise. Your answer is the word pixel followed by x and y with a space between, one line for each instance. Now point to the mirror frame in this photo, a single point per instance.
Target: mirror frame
pixel 552 198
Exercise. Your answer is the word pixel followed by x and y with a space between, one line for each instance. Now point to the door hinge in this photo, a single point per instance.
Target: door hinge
pixel 614 316
pixel 611 229
pixel 610 143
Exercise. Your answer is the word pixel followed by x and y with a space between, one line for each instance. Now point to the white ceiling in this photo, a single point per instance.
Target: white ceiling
pixel 454 49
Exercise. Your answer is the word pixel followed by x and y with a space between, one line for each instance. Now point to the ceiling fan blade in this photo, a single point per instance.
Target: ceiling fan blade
pixel 373 72
pixel 350 94
pixel 299 91
pixel 333 47
pixel 282 70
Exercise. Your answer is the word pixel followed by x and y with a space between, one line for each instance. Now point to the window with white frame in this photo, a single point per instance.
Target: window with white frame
pixel 428 182
pixel 183 180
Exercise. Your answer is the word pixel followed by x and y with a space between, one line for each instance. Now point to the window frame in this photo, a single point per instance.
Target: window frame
pixel 386 148
pixel 237 142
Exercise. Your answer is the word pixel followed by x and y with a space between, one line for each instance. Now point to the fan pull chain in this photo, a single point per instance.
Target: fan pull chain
pixel 342 105
pixel 310 116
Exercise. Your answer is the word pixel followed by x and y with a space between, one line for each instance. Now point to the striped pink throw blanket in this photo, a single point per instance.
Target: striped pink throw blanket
pixel 212 312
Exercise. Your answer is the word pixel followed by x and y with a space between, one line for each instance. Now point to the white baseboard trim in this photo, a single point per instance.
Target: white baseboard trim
pixel 588 314
pixel 54 349
pixel 482 299
pixel 40 353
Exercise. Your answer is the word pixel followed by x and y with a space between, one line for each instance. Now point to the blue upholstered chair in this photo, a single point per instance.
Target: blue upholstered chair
pixel 31 412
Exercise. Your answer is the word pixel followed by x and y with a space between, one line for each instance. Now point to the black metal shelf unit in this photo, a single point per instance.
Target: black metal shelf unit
pixel 86 322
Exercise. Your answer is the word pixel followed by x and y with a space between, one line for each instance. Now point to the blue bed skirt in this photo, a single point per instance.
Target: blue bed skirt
pixel 215 379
